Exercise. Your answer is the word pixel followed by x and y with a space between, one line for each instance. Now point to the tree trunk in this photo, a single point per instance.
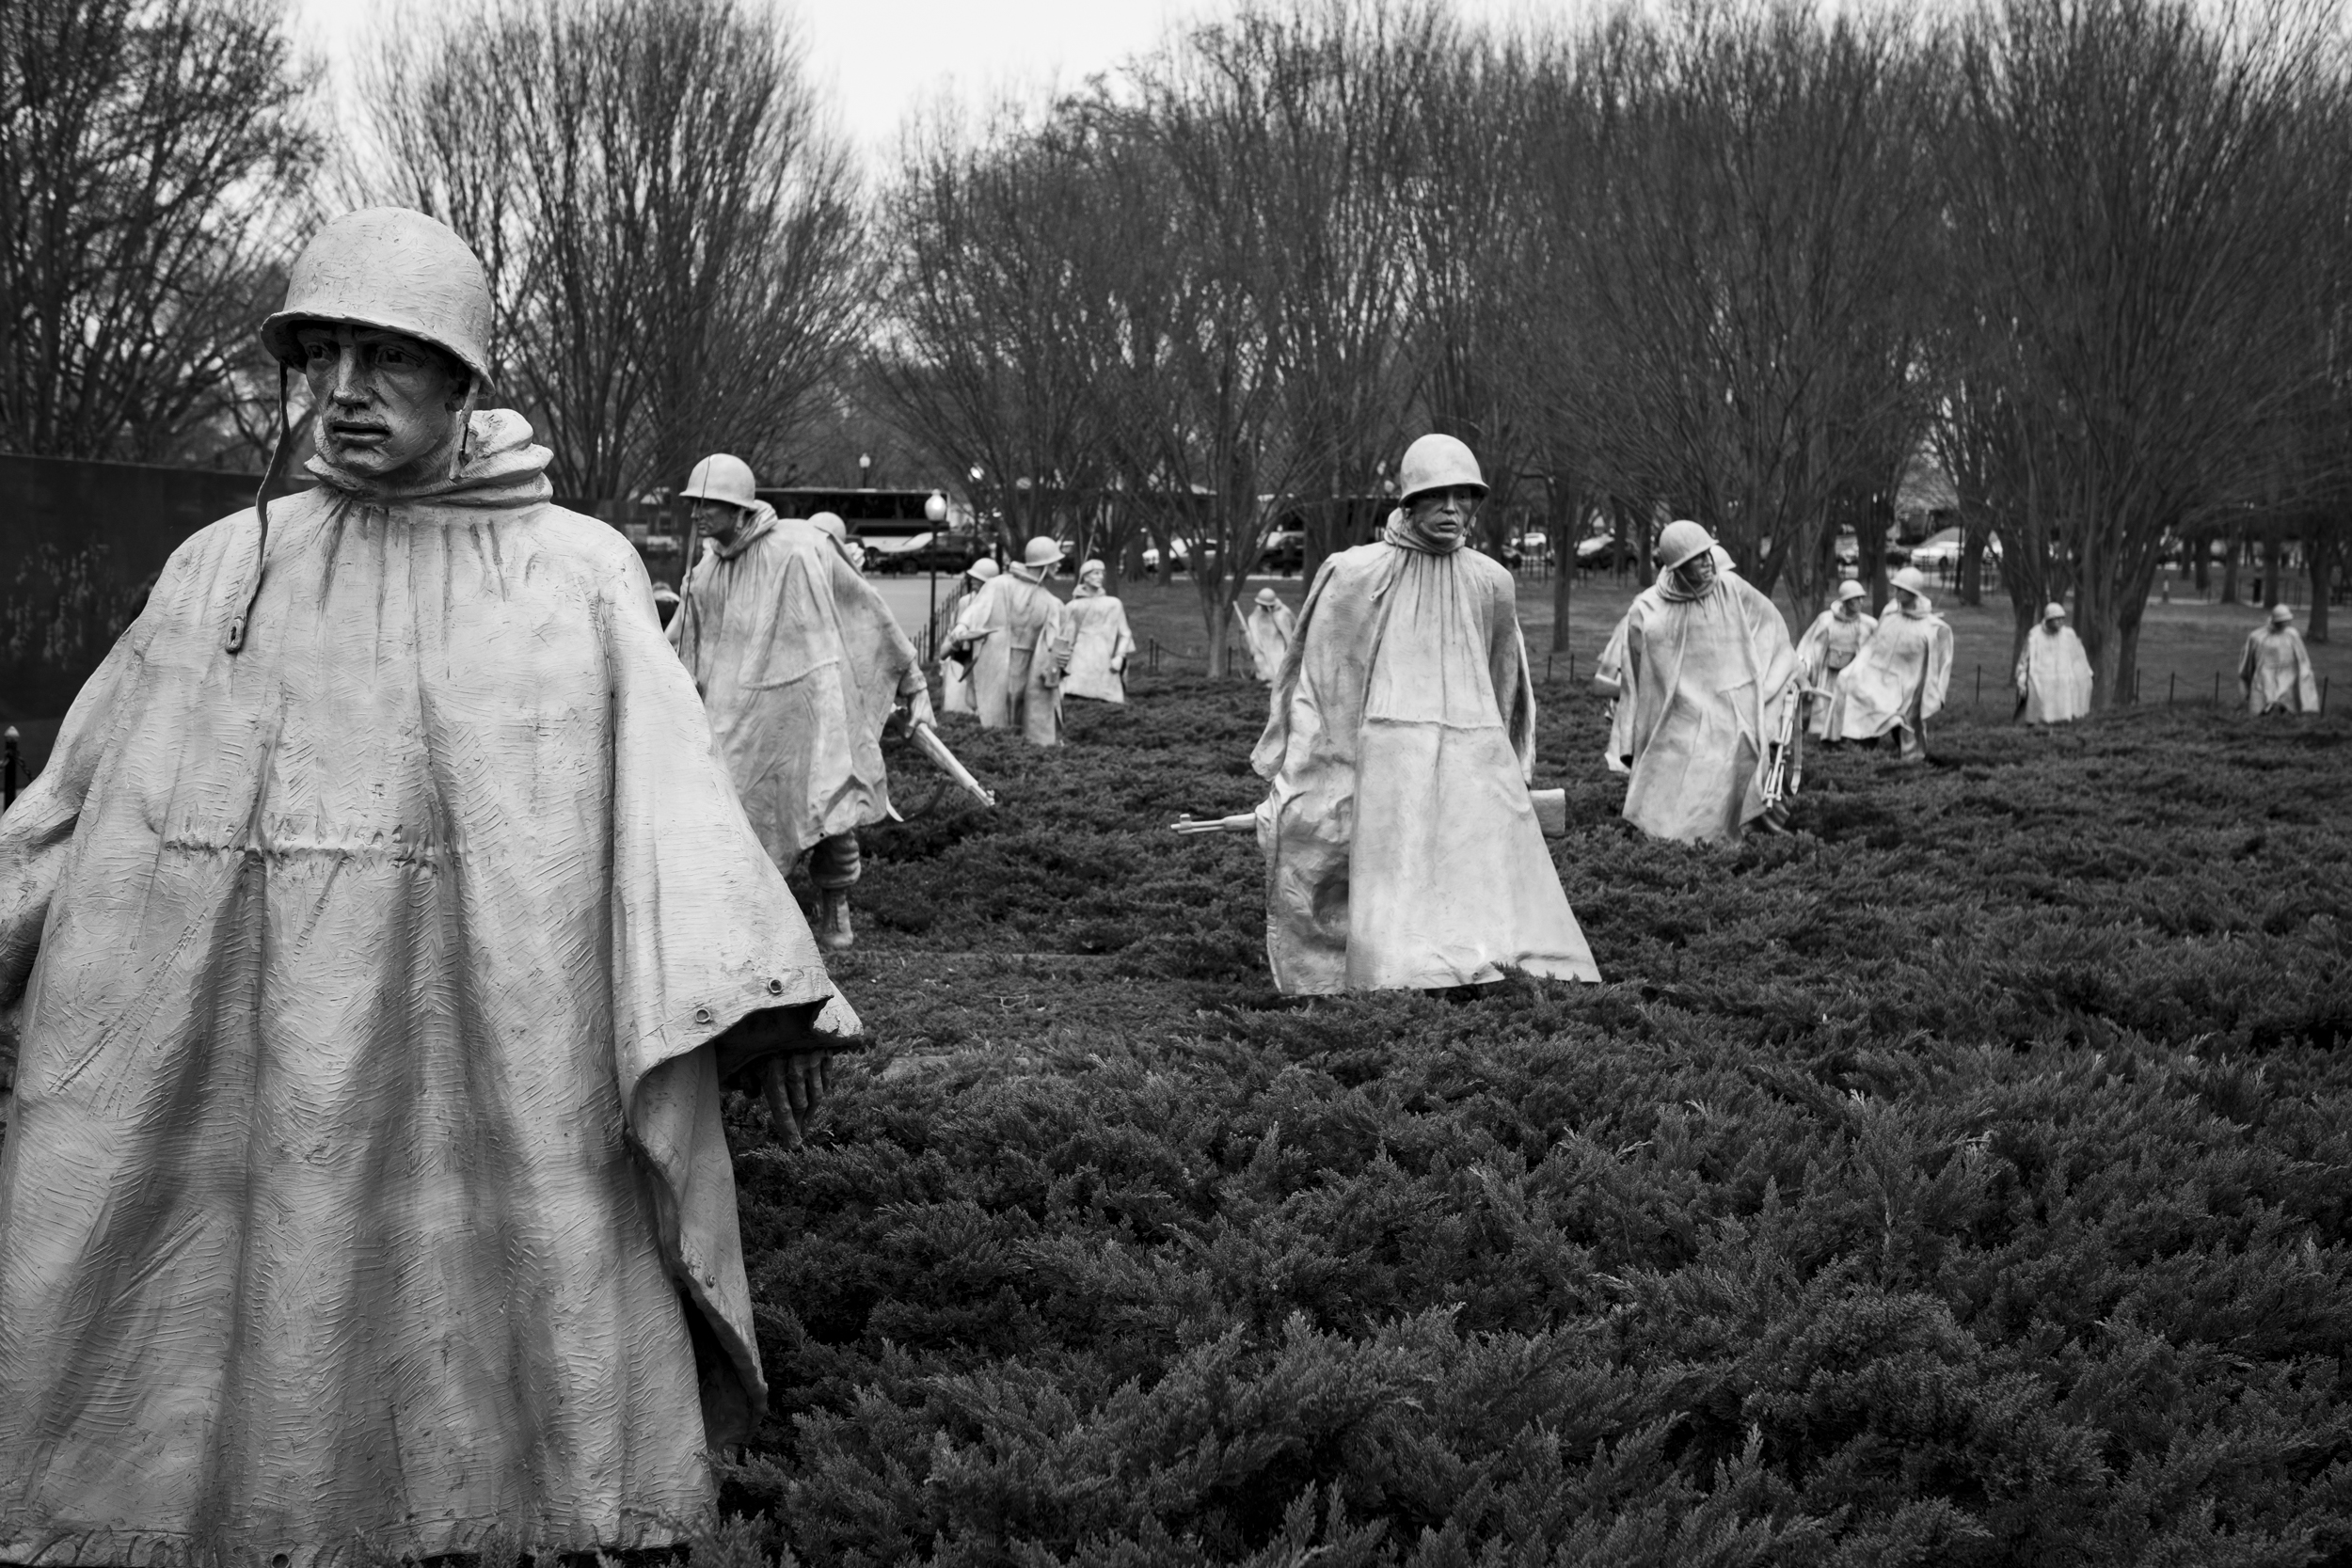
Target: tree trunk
pixel 2274 569
pixel 2233 547
pixel 1219 615
pixel 2204 566
pixel 2320 554
pixel 1972 564
pixel 1567 502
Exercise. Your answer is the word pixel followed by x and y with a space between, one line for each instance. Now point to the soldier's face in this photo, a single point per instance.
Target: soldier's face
pixel 718 519
pixel 1697 572
pixel 386 403
pixel 1443 515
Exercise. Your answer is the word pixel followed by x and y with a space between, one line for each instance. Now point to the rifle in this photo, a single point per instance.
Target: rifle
pixel 1787 769
pixel 1551 815
pixel 936 749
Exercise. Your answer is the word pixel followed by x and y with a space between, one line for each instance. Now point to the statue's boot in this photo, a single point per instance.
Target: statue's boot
pixel 833 920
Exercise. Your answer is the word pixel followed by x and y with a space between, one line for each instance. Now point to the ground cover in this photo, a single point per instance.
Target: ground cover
pixel 1962 1180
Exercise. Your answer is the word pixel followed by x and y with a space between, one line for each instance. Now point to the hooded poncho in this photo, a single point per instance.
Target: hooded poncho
pixel 800 663
pixel 2053 676
pixel 366 1174
pixel 1099 645
pixel 2276 673
pixel 1400 849
pixel 1609 682
pixel 1270 628
pixel 1703 676
pixel 1020 637
pixel 1823 652
pixel 955 683
pixel 1900 676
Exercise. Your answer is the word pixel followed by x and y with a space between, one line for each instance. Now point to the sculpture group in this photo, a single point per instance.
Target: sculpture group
pixel 399 896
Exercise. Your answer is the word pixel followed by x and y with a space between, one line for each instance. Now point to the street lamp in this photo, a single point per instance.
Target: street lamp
pixel 934 513
pixel 864 467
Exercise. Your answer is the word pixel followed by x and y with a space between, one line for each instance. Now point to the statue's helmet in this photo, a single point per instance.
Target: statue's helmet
pixel 1681 539
pixel 721 477
pixel 1436 463
pixel 392 268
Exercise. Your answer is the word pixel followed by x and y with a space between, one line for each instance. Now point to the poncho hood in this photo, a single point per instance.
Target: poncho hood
pixel 501 467
pixel 1403 532
pixel 755 528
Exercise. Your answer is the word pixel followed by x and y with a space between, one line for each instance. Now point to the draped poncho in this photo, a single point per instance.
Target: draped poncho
pixel 1400 847
pixel 2275 673
pixel 1823 652
pixel 1269 628
pixel 1020 638
pixel 799 662
pixel 1704 675
pixel 366 1174
pixel 1901 675
pixel 1099 645
pixel 2053 676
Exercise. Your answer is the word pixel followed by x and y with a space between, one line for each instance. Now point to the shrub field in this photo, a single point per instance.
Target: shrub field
pixel 1962 1180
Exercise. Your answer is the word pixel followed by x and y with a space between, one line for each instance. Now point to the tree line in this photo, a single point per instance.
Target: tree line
pixel 1730 260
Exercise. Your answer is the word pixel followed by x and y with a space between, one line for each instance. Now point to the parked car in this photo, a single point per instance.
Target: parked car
pixel 942 552
pixel 1177 548
pixel 1534 545
pixel 1602 553
pixel 1285 550
pixel 1942 551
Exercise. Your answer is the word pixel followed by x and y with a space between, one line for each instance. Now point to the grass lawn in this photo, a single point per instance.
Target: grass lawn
pixel 1964 1179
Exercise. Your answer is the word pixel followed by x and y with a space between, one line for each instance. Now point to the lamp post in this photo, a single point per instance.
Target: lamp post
pixel 934 513
pixel 865 470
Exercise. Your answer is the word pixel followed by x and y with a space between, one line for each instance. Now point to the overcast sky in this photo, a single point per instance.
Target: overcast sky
pixel 879 59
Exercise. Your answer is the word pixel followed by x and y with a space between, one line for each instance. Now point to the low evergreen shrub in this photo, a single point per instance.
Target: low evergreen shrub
pixel 1961 1179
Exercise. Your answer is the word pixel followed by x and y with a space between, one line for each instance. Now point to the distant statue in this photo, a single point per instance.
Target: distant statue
pixel 1270 628
pixel 1898 680
pixel 1018 634
pixel 802 666
pixel 377 937
pixel 1100 642
pixel 2275 673
pixel 2052 672
pixel 955 658
pixel 1403 849
pixel 1706 666
pixel 1824 653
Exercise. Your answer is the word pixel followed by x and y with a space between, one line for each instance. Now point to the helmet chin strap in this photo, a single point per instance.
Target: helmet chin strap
pixel 287 439
pixel 465 428
pixel 290 437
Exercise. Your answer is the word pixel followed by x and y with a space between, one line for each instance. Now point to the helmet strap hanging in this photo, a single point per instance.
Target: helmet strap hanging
pixel 287 439
pixel 465 426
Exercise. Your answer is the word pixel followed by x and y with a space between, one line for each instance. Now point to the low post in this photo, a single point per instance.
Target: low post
pixel 7 767
pixel 1979 701
pixel 2216 689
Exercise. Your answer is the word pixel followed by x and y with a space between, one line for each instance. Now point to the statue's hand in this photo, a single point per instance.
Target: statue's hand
pixel 794 1084
pixel 820 1027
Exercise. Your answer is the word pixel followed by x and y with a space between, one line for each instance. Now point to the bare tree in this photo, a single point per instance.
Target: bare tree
pixel 2130 233
pixel 1001 327
pixel 1750 239
pixel 150 151
pixel 674 238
